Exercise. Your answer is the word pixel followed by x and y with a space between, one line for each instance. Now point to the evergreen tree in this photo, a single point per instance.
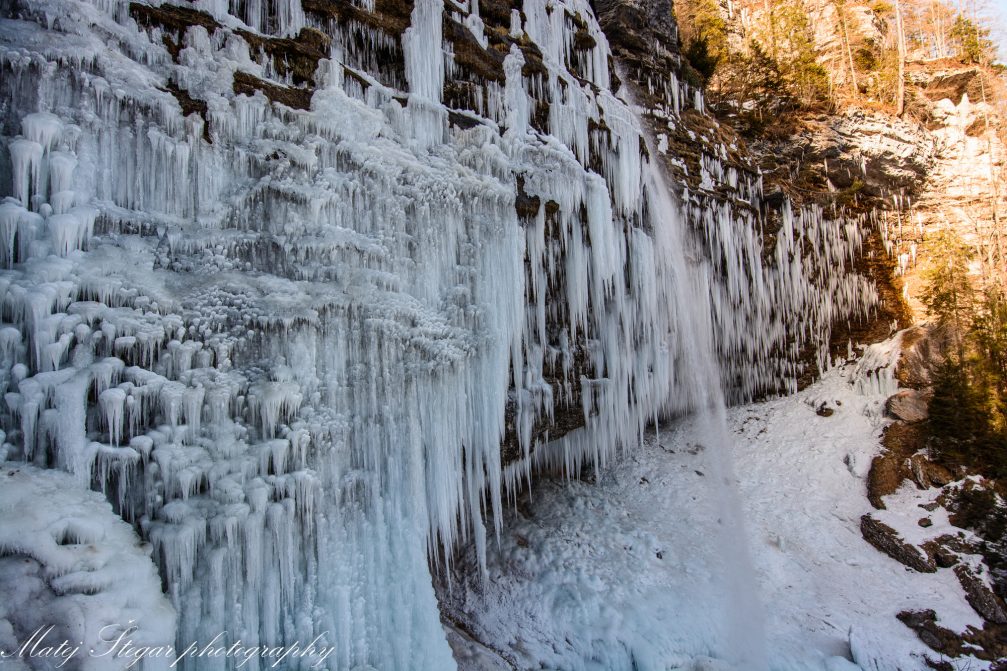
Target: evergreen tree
pixel 703 33
pixel 948 295
pixel 974 43
pixel 699 57
pixel 968 412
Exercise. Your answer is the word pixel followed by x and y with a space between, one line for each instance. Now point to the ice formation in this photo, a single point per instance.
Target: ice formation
pixel 304 288
pixel 72 571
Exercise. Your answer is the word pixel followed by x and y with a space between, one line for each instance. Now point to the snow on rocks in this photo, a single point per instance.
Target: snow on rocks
pixel 887 540
pixel 625 568
pixel 67 560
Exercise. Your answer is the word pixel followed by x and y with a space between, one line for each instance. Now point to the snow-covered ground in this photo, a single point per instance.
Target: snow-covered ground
pixel 633 572
pixel 79 588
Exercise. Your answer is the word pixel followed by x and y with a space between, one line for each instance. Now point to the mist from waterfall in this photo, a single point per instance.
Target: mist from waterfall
pixel 745 643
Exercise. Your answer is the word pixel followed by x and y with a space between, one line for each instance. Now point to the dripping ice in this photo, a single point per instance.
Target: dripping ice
pixel 290 355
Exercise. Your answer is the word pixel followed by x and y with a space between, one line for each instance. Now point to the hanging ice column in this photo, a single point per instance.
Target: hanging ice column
pixel 291 350
pixel 424 64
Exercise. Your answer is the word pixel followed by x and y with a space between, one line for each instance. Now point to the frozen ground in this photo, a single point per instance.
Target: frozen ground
pixel 632 572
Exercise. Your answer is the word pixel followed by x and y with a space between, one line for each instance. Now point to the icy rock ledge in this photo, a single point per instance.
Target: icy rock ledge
pixel 68 561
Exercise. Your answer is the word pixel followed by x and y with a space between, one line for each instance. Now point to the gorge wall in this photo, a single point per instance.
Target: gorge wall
pixel 306 288
pixel 935 167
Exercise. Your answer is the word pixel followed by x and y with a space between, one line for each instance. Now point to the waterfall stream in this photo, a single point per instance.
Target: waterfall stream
pixel 693 288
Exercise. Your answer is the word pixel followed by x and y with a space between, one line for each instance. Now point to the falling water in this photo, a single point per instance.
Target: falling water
pixel 691 280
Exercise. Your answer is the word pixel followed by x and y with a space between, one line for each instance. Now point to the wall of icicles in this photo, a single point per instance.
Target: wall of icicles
pixel 282 278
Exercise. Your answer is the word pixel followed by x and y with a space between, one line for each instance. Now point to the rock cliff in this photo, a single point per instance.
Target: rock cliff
pixel 307 288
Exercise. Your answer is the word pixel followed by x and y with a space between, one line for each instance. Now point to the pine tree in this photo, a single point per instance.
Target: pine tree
pixel 949 296
pixel 974 43
pixel 968 411
pixel 703 34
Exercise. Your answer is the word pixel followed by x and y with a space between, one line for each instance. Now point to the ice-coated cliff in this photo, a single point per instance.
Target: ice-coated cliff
pixel 306 287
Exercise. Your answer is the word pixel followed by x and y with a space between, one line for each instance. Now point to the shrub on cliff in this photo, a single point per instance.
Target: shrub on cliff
pixel 703 34
pixel 702 61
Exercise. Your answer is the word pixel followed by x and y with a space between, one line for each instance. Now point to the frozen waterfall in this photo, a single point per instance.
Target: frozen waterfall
pixel 306 288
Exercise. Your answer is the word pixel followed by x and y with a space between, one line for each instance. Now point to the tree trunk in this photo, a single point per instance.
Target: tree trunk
pixel 900 95
pixel 854 90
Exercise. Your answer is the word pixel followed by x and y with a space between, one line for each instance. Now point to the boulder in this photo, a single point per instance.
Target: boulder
pixel 927 474
pixel 890 468
pixel 909 405
pixel 936 637
pixel 942 556
pixel 946 551
pixel 922 351
pixel 887 540
pixel 980 597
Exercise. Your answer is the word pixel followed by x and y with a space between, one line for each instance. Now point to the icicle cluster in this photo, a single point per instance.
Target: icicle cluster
pixel 782 278
pixel 289 343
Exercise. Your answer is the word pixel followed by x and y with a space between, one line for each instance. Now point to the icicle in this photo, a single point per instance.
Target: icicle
pixel 112 402
pixel 43 128
pixel 26 164
pixel 383 261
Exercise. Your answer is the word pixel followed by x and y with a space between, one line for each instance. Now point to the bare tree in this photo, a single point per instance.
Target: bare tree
pixel 840 6
pixel 938 15
pixel 900 95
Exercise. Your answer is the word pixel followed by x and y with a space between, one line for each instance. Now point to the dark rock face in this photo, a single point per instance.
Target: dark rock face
pixel 297 58
pixel 635 27
pixel 190 105
pixel 388 16
pixel 385 60
pixel 692 144
pixel 173 19
pixel 295 98
pixel 886 539
pixel 980 597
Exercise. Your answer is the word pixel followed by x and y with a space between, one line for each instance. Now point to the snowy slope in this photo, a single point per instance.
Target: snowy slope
pixel 67 561
pixel 633 572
